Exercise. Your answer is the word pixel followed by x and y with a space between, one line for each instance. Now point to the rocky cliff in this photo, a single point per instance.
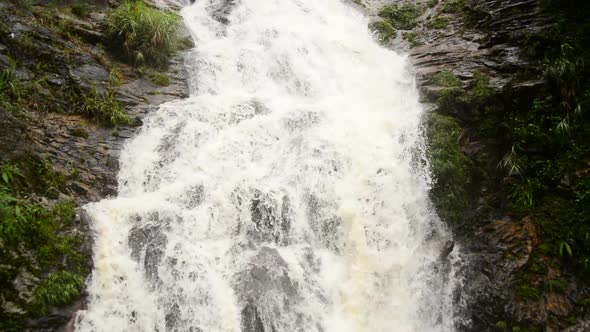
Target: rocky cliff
pixel 68 101
pixel 506 88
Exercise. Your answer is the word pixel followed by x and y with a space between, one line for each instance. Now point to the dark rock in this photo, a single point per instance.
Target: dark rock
pixel 271 218
pixel 264 284
pixel 447 249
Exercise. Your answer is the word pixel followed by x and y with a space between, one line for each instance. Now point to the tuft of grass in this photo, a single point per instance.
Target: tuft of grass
pixel 446 79
pixel 115 76
pixel 401 17
pixel 60 288
pixel 454 6
pixel 556 285
pixel 411 37
pixel 528 292
pixel 159 79
pixel 82 9
pixel 385 31
pixel 146 35
pixel 439 22
pixel 104 108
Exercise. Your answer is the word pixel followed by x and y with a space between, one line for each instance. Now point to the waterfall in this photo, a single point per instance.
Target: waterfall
pixel 289 192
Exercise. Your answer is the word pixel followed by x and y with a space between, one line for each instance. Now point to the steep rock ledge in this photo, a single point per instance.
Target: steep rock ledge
pixel 473 72
pixel 56 156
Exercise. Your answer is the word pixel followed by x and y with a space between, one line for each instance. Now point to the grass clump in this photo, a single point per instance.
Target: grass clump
pixel 453 6
pixel 439 22
pixel 446 79
pixel 159 79
pixel 411 37
pixel 146 35
pixel 103 108
pixel 401 17
pixel 82 9
pixel 385 31
pixel 60 288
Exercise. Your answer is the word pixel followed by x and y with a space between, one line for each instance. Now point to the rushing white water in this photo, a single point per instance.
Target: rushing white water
pixel 288 193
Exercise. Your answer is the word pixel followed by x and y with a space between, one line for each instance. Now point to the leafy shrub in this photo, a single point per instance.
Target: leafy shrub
pixel 384 30
pixel 446 79
pixel 450 167
pixel 146 35
pixel 60 288
pixel 401 17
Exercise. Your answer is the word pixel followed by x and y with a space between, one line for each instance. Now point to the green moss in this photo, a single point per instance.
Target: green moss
pixel 146 35
pixel 411 37
pixel 78 132
pixel 446 79
pixel 403 17
pixel 528 292
pixel 454 6
pixel 159 79
pixel 60 288
pixel 450 167
pixel 384 30
pixel 439 22
pixel 82 9
pixel 556 285
pixel 432 3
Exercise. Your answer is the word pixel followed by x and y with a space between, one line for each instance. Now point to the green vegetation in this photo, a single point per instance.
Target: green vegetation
pixel 159 79
pixel 146 35
pixel 82 9
pixel 528 292
pixel 12 92
pixel 529 149
pixel 103 108
pixel 439 22
pixel 60 288
pixel 454 6
pixel 384 30
pixel 401 17
pixel 450 167
pixel 411 37
pixel 37 238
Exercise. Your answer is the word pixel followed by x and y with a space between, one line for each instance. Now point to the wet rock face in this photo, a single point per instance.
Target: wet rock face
pixel 271 218
pixel 58 64
pixel 72 67
pixel 486 36
pixel 147 243
pixel 262 287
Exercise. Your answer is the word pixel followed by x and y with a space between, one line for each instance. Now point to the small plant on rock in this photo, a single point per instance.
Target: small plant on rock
pixel 384 30
pixel 146 35
pixel 401 17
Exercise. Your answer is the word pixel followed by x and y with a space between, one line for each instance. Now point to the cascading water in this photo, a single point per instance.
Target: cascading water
pixel 288 193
